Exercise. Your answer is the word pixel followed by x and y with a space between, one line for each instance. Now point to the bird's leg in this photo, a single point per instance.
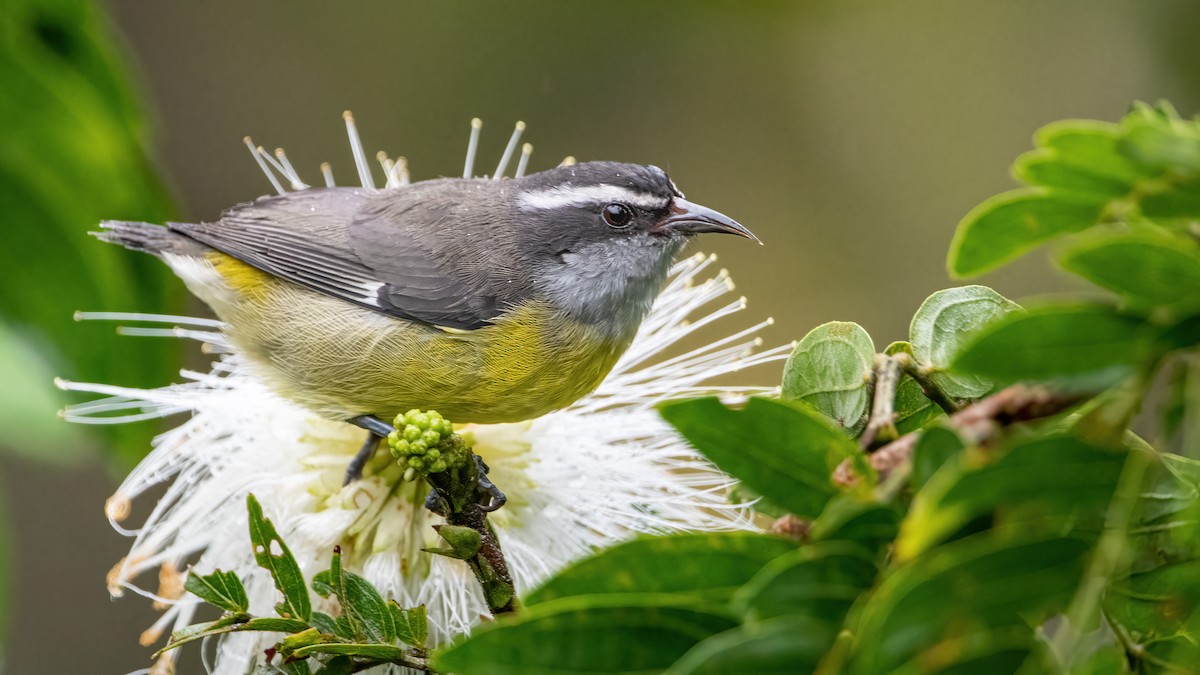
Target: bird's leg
pixel 376 430
pixel 496 498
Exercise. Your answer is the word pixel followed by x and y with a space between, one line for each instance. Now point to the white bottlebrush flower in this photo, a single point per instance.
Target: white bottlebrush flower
pixel 588 476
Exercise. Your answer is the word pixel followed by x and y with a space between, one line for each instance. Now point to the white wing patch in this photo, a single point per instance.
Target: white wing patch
pixel 557 197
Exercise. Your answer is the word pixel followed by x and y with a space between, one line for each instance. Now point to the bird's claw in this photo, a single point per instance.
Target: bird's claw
pixel 496 497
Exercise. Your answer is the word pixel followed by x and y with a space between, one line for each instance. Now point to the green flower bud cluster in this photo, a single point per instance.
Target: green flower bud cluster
pixel 425 442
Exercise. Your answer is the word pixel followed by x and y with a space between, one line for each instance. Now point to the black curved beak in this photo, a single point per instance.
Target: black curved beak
pixel 685 217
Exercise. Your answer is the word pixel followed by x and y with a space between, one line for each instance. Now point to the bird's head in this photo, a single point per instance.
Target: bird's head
pixel 593 203
pixel 606 232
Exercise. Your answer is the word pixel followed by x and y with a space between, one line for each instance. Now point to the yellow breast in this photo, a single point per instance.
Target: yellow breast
pixel 342 360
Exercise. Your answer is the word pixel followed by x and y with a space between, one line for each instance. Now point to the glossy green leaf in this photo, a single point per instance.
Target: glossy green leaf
pixel 369 616
pixel 818 580
pixel 1013 223
pixel 1055 341
pixel 1147 267
pixel 830 369
pixel 1060 470
pixel 220 589
pixel 946 321
pixel 788 645
pixel 784 451
pixel 706 565
pixel 934 448
pixel 976 584
pixel 272 554
pixel 584 634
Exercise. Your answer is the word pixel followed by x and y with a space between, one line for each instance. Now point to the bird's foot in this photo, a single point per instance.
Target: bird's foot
pixel 495 497
pixel 376 429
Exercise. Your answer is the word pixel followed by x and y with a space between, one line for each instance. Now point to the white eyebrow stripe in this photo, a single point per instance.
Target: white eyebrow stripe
pixel 556 197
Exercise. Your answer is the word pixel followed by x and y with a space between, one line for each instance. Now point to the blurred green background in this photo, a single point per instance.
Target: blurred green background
pixel 850 136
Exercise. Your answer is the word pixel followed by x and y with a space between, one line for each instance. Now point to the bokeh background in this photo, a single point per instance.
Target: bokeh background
pixel 850 136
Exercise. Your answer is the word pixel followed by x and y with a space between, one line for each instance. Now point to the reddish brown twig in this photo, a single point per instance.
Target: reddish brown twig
pixel 977 424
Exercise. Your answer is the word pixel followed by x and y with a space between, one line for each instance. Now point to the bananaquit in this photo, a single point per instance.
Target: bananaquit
pixel 487 300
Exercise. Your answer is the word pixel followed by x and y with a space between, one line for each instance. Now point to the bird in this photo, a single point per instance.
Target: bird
pixel 487 300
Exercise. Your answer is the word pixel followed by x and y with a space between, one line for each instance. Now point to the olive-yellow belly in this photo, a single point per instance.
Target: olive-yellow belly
pixel 341 360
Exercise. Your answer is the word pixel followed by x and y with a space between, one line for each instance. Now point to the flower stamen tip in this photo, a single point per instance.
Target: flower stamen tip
pixel 117 507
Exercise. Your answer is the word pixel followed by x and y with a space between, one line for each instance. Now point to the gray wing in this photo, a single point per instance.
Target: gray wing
pixel 332 241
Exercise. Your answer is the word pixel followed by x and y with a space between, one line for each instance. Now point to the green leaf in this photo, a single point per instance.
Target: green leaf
pixel 1054 341
pixel 1060 470
pixel 1177 204
pixel 234 623
pixel 378 651
pixel 1162 144
pixel 946 321
pixel 818 580
pixel 369 616
pixel 1013 223
pixel 1160 609
pixel 272 554
pixel 291 668
pixel 793 644
pixel 1150 268
pixel 830 369
pixel 848 517
pixel 220 589
pixel 933 449
pixel 412 625
pixel 1091 145
pixel 338 665
pixel 1048 169
pixel 1166 527
pixel 784 451
pixel 706 565
pixel 912 409
pixel 976 584
pixel 584 634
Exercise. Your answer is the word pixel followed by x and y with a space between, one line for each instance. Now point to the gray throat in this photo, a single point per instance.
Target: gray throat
pixel 611 284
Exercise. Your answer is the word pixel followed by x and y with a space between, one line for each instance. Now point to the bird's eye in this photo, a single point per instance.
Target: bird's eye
pixel 618 215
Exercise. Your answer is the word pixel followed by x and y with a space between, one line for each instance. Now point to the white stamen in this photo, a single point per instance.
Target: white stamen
pixel 402 170
pixel 472 147
pixel 569 160
pixel 389 167
pixel 360 157
pixel 327 172
pixel 509 150
pixel 263 165
pixel 523 163
pixel 290 171
pixel 137 316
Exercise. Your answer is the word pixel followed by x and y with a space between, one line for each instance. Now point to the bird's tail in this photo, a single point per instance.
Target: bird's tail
pixel 148 237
